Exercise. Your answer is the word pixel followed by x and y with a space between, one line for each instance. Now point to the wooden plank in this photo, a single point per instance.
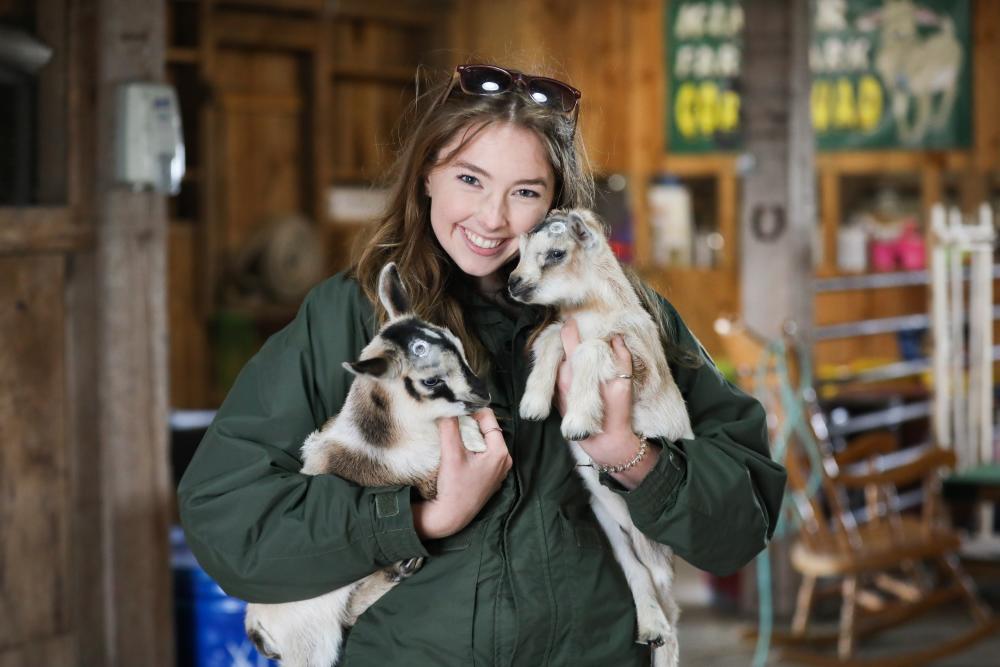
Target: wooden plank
pixel 212 184
pixel 131 369
pixel 312 6
pixel 318 134
pixel 700 296
pixel 728 202
pixel 189 358
pixel 698 165
pixel 53 652
pixel 41 230
pixel 985 72
pixel 646 94
pixel 256 32
pixel 35 507
pixel 357 11
pixel 890 161
pixel 90 606
pixel 368 74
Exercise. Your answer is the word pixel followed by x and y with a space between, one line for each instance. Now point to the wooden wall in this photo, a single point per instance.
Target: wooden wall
pixel 84 563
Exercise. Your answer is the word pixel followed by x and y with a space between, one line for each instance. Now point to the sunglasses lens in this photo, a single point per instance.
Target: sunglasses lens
pixel 481 80
pixel 553 94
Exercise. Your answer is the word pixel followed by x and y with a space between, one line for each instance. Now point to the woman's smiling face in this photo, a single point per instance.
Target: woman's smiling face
pixel 497 187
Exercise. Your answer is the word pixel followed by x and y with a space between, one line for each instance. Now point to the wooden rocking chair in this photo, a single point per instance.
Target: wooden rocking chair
pixel 853 537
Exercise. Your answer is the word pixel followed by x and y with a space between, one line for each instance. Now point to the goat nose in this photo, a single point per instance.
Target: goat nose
pixel 513 283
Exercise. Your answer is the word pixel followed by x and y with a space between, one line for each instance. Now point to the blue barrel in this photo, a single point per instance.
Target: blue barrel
pixel 209 623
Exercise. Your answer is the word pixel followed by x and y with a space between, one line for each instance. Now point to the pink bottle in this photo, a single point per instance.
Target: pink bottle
pixel 911 249
pixel 883 254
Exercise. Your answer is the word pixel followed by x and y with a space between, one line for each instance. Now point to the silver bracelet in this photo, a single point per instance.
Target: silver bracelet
pixel 634 461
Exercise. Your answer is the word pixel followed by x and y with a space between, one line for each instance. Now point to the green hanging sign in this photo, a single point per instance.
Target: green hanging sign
pixel 885 74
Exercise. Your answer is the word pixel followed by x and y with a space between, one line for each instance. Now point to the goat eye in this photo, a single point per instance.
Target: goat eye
pixel 430 382
pixel 555 255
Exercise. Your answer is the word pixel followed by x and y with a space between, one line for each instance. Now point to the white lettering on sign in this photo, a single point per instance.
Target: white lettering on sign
pixel 831 15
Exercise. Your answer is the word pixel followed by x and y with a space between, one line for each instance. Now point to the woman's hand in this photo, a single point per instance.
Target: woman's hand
pixel 466 480
pixel 616 443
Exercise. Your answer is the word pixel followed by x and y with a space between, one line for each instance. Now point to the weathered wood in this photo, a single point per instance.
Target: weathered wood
pixel 189 359
pixel 261 138
pixel 254 31
pixel 131 377
pixel 33 230
pixel 90 607
pixel 35 506
pixel 52 652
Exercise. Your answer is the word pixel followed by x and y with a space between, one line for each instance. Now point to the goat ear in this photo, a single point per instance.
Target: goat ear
pixel 374 367
pixel 582 230
pixel 391 292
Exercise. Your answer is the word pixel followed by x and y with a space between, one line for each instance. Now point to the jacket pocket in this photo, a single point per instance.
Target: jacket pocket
pixel 602 615
pixel 427 619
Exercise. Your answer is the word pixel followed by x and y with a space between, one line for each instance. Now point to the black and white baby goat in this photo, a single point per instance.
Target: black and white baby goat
pixel 566 262
pixel 410 374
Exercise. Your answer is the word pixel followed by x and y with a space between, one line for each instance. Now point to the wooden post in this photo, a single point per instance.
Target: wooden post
pixel 778 218
pixel 779 208
pixel 131 364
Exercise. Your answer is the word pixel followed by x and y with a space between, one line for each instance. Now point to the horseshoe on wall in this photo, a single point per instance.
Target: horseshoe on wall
pixel 768 222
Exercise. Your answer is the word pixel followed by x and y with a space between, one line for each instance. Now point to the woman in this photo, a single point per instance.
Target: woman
pixel 518 572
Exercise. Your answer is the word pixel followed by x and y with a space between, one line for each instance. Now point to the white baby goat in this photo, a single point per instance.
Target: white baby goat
pixel 411 374
pixel 567 263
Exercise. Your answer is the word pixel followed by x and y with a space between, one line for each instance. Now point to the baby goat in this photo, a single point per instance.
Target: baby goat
pixel 567 263
pixel 411 374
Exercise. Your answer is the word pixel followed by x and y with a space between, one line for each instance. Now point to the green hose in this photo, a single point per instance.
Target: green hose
pixel 792 401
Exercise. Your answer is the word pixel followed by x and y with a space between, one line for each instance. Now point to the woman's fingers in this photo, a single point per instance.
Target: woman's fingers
pixel 492 434
pixel 487 420
pixel 623 358
pixel 451 439
pixel 617 392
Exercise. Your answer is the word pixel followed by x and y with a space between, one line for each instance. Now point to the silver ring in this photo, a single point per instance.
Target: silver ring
pixel 625 376
pixel 490 430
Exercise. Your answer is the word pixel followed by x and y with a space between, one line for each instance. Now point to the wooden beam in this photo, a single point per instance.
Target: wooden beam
pixel 130 312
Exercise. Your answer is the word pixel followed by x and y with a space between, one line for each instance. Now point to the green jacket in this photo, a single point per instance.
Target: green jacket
pixel 532 581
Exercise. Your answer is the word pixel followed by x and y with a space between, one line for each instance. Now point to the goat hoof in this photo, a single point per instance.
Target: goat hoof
pixel 656 642
pixel 576 428
pixel 404 569
pixel 263 644
pixel 534 410
pixel 409 567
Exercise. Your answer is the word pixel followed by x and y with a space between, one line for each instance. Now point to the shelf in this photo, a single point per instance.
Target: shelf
pixel 861 281
pixel 880 326
pixel 892 371
pixel 897 414
pixel 890 161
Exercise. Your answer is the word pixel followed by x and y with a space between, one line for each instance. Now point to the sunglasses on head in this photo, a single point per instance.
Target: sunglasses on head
pixel 491 80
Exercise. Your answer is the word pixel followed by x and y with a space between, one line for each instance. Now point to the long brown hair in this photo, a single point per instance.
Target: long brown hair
pixel 403 235
pixel 437 288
